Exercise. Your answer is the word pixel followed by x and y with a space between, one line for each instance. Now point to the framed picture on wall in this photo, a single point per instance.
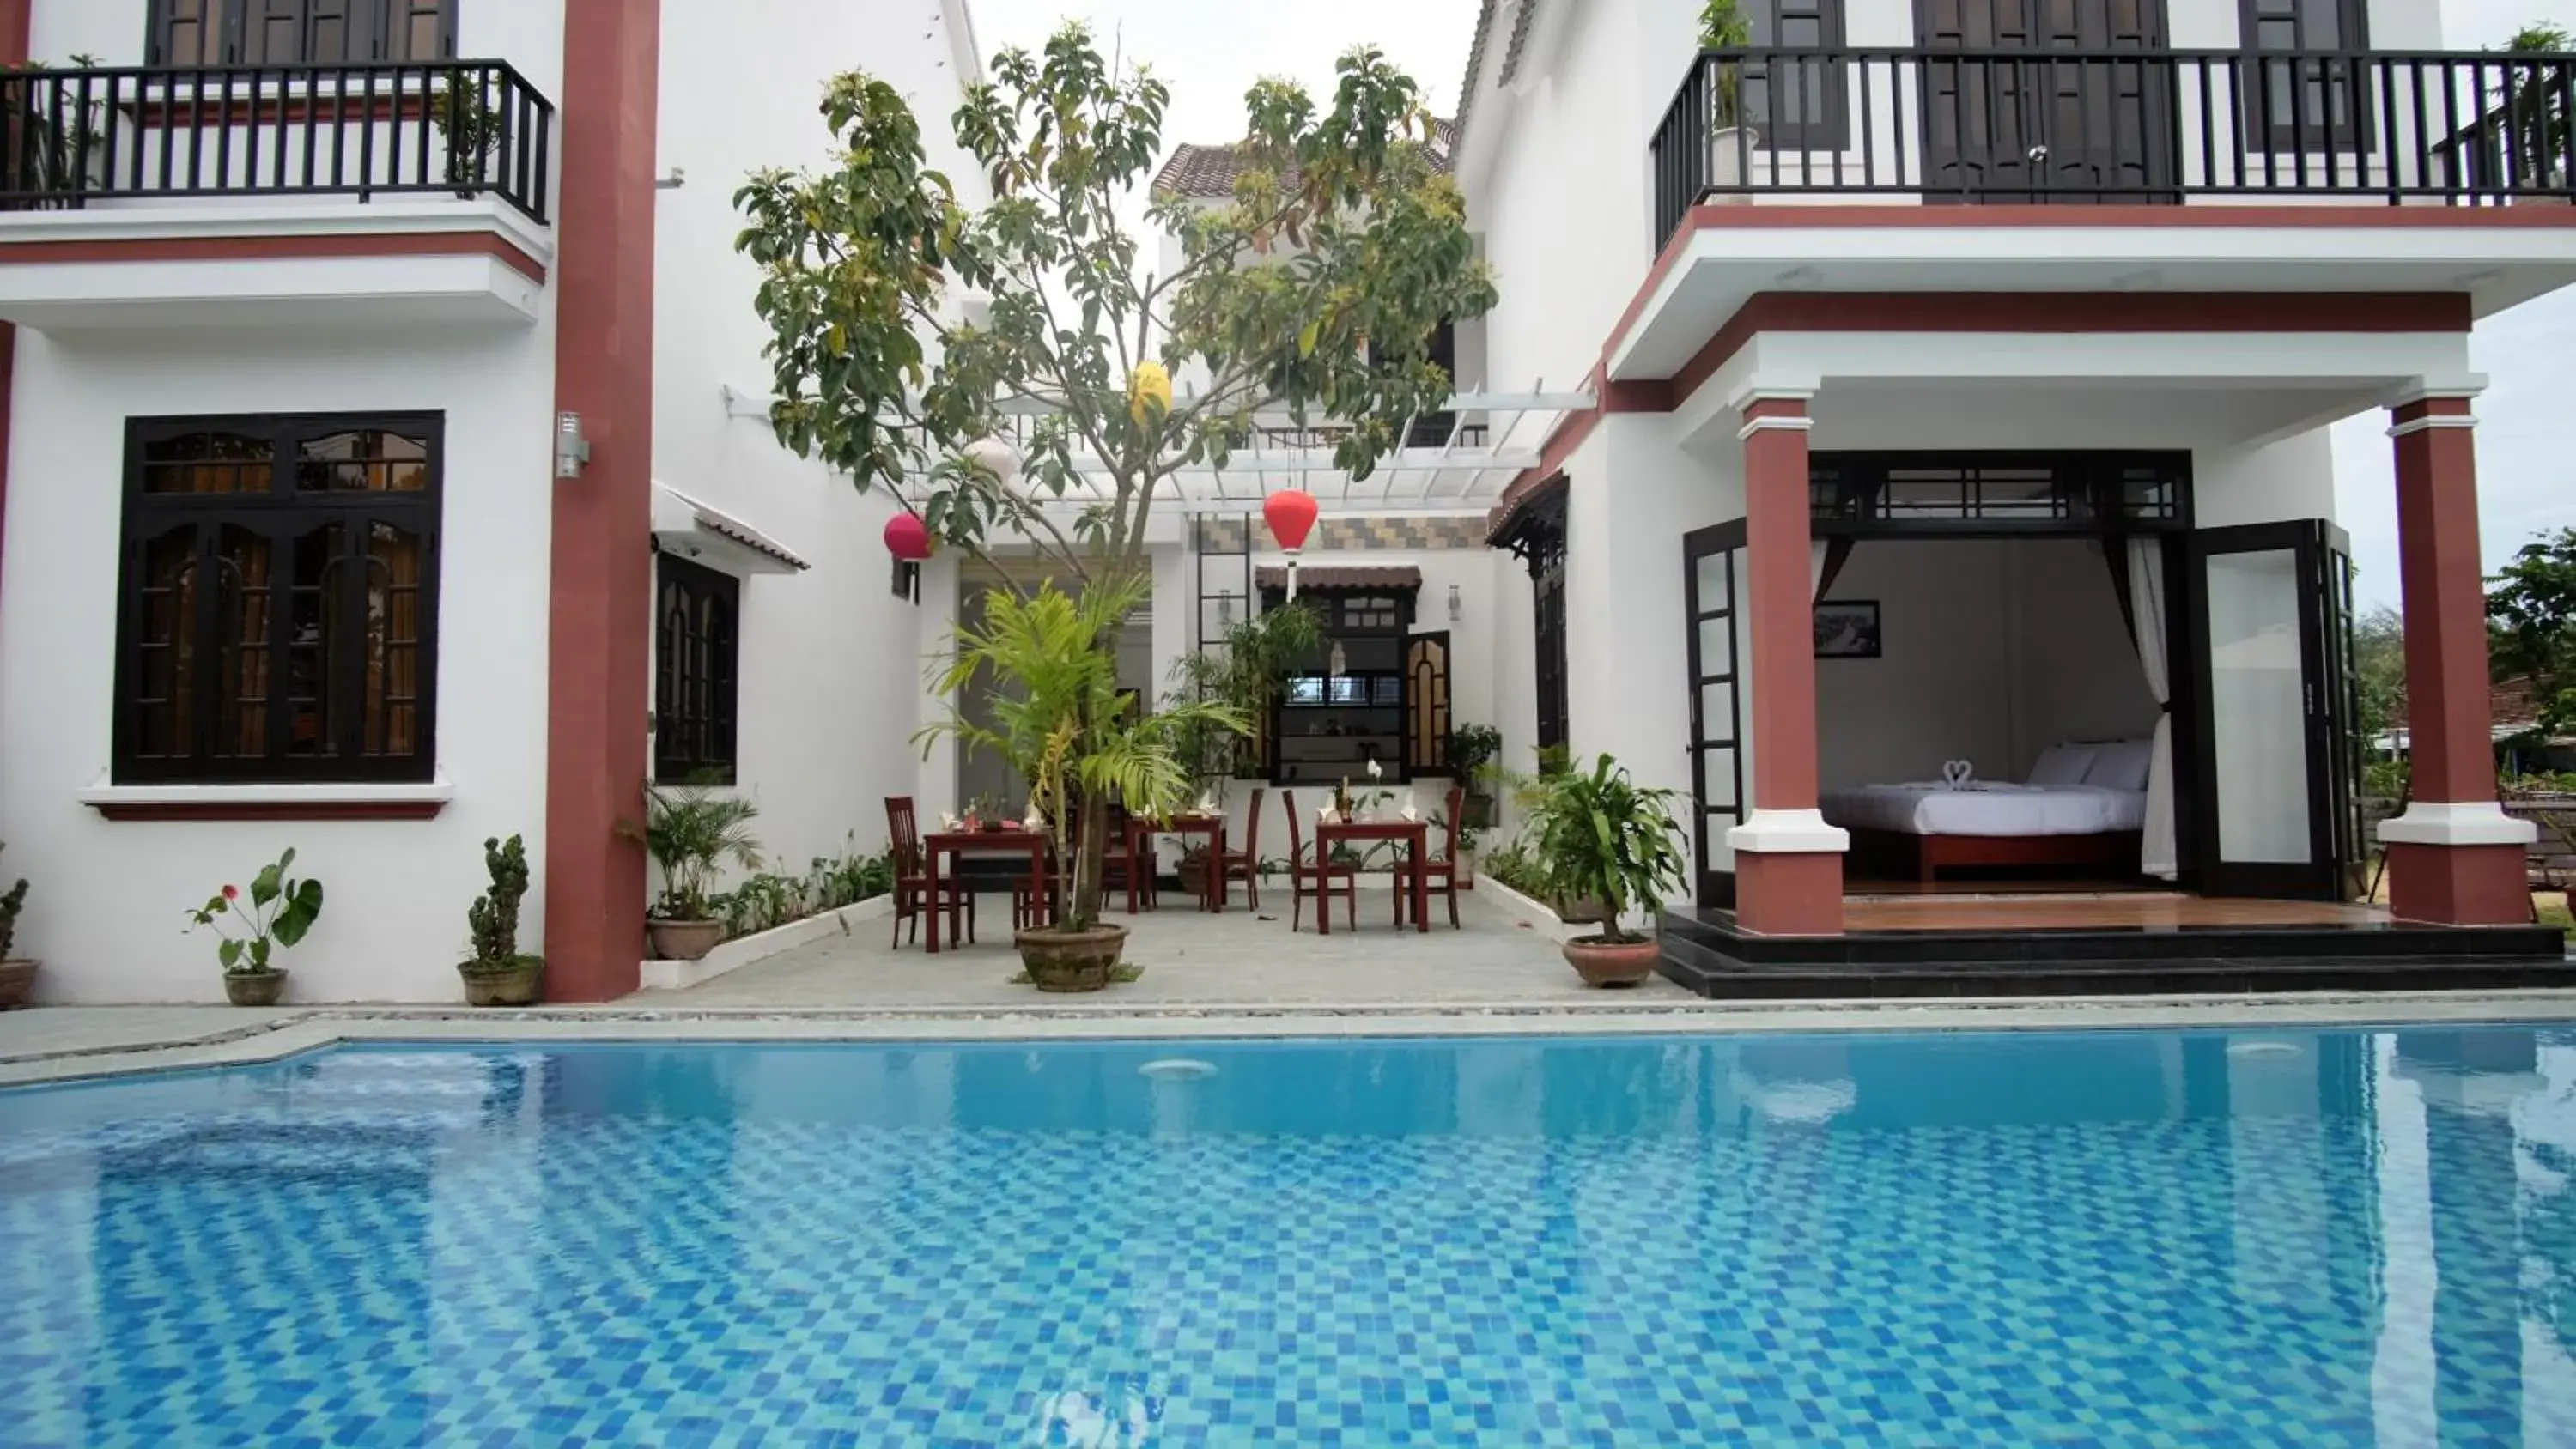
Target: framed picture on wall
pixel 1847 630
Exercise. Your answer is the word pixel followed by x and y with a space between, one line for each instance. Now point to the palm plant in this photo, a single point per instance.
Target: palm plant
pixel 1723 25
pixel 1603 837
pixel 2533 98
pixel 691 832
pixel 1069 731
pixel 1248 671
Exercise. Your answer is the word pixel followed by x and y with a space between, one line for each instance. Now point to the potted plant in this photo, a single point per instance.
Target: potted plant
pixel 691 832
pixel 467 113
pixel 2532 102
pixel 1603 837
pixel 17 978
pixel 1723 26
pixel 1070 734
pixel 1472 752
pixel 1247 671
pixel 281 910
pixel 498 975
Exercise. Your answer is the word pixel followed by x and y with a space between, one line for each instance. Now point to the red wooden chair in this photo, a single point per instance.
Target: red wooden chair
pixel 1245 864
pixel 1439 875
pixel 912 879
pixel 1315 880
pixel 1123 865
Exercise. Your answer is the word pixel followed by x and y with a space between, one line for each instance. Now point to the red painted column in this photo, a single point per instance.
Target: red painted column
pixel 600 611
pixel 1788 862
pixel 2454 857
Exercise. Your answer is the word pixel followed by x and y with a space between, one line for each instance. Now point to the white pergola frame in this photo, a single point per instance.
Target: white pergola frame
pixel 1452 479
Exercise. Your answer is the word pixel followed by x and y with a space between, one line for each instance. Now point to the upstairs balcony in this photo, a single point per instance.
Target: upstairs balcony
pixel 2447 179
pixel 2140 127
pixel 420 185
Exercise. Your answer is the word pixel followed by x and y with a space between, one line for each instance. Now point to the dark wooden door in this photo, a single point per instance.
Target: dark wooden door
pixel 2042 102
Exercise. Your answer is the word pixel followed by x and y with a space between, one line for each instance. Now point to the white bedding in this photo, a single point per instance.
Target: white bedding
pixel 1989 809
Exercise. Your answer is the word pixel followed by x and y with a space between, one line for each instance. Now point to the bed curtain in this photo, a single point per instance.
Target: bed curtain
pixel 2157 854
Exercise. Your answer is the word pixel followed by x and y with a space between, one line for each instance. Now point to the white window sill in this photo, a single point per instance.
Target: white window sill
pixel 352 801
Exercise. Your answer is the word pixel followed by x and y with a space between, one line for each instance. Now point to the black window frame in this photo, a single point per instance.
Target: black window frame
pixel 1399 632
pixel 283 514
pixel 1826 79
pixel 2273 122
pixel 693 746
pixel 368 31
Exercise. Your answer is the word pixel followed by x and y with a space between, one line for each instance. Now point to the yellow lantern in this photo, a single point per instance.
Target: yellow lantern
pixel 1151 385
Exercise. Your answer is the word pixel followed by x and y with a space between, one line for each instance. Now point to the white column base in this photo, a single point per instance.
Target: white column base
pixel 2474 822
pixel 1788 832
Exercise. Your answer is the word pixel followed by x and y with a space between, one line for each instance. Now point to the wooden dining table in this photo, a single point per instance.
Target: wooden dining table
pixel 942 845
pixel 1140 833
pixel 1415 836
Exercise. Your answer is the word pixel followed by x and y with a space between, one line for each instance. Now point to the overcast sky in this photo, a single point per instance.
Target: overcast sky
pixel 1209 53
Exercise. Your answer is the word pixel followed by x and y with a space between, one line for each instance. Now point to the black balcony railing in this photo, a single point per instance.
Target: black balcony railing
pixel 2135 126
pixel 467 128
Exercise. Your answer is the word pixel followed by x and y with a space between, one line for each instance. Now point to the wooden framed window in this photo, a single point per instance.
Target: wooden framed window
pixel 278 601
pixel 696 657
pixel 1347 706
pixel 298 32
pixel 2306 86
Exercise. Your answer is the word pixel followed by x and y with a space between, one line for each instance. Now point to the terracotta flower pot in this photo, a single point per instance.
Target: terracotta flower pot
pixel 17 978
pixel 683 940
pixel 254 988
pixel 1067 960
pixel 1606 963
pixel 519 981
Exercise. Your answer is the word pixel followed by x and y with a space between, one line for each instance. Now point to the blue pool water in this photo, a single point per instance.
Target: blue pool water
pixel 2119 1239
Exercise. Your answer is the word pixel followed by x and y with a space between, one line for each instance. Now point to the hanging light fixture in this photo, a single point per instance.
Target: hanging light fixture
pixel 997 457
pixel 907 537
pixel 1290 512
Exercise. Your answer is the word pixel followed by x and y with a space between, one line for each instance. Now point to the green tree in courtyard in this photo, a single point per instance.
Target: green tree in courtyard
pixel 1316 292
pixel 2531 613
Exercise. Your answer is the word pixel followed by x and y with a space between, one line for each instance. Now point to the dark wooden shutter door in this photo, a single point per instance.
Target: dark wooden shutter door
pixel 1426 704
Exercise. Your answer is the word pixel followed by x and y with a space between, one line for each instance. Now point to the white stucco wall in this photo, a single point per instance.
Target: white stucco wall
pixel 832 662
pixel 1992 650
pixel 105 910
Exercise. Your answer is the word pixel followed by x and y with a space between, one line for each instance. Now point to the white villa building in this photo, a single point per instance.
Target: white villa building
pixel 1924 387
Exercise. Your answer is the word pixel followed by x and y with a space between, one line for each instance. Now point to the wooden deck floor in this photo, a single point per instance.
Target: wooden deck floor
pixel 2165 911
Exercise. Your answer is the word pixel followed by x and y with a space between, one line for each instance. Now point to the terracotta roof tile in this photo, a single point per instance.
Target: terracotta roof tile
pixel 1210 171
pixel 1362 576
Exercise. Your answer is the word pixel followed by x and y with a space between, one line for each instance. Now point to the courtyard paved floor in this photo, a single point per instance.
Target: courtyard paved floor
pixel 1233 975
pixel 1194 959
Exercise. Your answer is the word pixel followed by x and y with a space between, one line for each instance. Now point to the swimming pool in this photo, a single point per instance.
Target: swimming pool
pixel 2127 1238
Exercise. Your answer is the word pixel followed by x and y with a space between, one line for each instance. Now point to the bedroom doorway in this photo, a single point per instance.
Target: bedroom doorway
pixel 2001 707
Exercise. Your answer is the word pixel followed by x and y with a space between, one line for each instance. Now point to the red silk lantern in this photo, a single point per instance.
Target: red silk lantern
pixel 1290 513
pixel 1291 516
pixel 907 537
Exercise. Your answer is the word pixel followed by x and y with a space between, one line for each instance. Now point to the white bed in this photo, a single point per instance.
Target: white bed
pixel 2084 805
pixel 1988 809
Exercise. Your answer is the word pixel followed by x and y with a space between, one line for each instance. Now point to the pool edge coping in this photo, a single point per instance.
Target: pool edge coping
pixel 320 1029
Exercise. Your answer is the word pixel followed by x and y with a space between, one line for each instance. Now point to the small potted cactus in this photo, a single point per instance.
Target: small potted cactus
pixel 498 975
pixel 17 977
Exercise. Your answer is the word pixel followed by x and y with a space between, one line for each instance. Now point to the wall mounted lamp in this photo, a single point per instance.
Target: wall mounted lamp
pixel 572 450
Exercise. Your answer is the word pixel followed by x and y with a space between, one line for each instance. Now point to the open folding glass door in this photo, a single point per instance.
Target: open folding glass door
pixel 1713 587
pixel 2278 799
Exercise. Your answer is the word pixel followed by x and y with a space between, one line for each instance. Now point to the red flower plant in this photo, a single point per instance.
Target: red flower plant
pixel 231 894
